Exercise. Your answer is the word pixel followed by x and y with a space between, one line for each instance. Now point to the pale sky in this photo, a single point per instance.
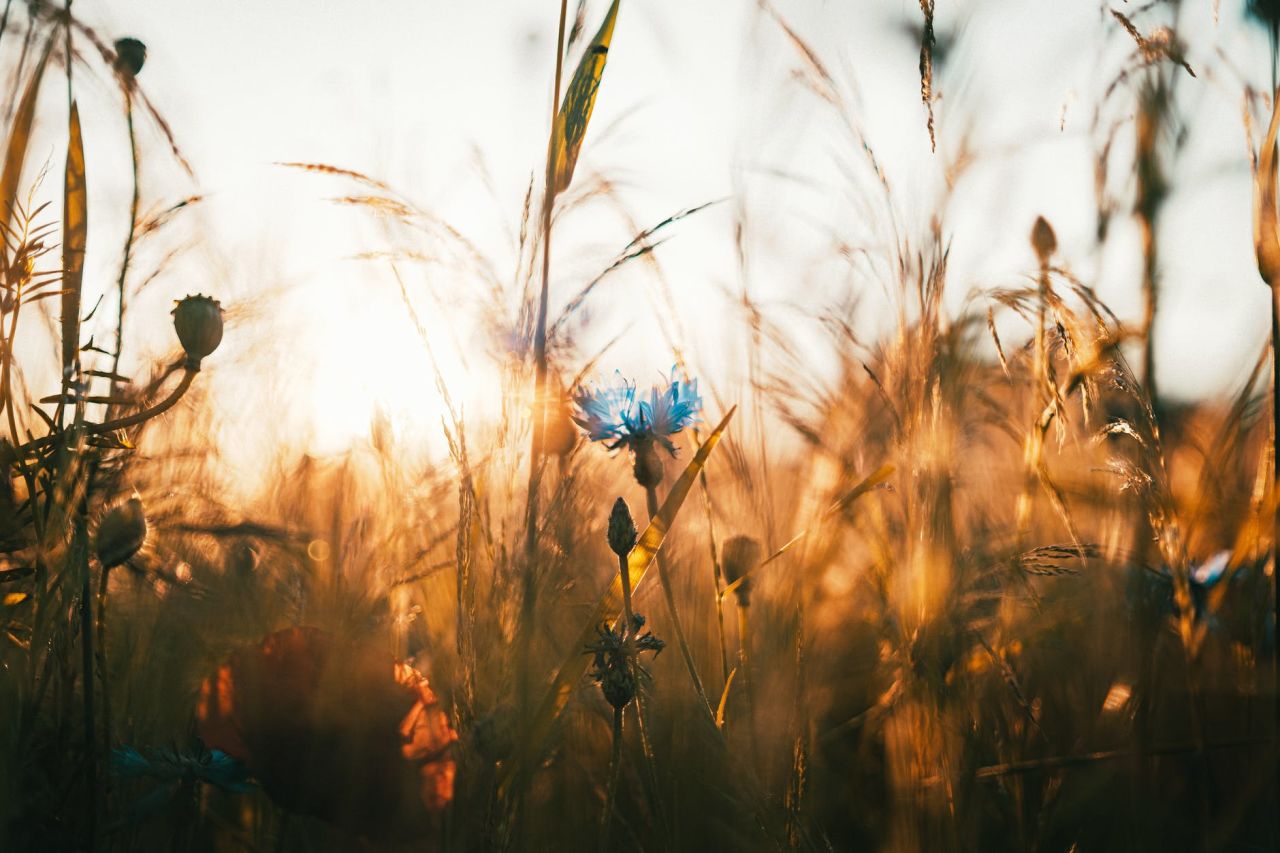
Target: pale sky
pixel 698 103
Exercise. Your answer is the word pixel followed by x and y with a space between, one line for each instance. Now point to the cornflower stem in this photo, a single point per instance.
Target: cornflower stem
pixel 651 497
pixel 624 571
pixel 615 770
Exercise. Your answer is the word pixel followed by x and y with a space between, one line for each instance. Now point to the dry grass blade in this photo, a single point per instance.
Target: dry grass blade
pixel 20 135
pixel 75 231
pixel 1266 220
pixel 579 101
pixel 880 475
pixel 724 698
pixel 639 246
pixel 927 44
pixel 607 611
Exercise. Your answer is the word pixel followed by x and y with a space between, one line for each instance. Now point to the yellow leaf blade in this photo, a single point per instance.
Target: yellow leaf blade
pixel 724 698
pixel 75 234
pixel 579 101
pixel 20 135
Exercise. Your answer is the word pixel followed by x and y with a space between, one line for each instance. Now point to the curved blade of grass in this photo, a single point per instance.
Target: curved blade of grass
pixel 608 610
pixel 75 232
pixel 724 698
pixel 579 101
pixel 19 135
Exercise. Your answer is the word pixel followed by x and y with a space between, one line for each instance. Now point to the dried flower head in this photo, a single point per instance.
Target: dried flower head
pixel 617 668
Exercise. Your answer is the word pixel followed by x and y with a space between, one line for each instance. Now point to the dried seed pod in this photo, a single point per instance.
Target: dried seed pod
pixel 741 554
pixel 198 322
pixel 131 55
pixel 622 529
pixel 121 533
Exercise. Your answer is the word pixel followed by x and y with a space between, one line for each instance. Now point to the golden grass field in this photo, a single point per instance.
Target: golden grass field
pixel 982 586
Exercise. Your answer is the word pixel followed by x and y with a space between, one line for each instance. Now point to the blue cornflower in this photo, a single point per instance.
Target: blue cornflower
pixel 619 416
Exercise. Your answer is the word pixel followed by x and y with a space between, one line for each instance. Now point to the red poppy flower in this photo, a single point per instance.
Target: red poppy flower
pixel 338 731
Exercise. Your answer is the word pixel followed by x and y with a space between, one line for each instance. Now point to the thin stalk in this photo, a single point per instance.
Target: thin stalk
pixel 103 577
pixel 744 668
pixel 624 571
pixel 128 242
pixel 651 497
pixel 528 600
pixel 160 408
pixel 717 577
pixel 4 22
pixel 615 770
pixel 651 764
pixel 80 556
pixel 1275 508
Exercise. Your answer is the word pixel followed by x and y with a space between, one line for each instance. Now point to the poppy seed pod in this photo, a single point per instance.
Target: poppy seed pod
pixel 131 55
pixel 121 533
pixel 741 555
pixel 198 322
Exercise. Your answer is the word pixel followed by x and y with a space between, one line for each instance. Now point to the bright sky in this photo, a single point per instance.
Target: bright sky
pixel 448 102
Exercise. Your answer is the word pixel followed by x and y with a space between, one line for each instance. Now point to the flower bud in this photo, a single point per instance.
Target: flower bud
pixel 741 554
pixel 1043 240
pixel 121 533
pixel 648 465
pixel 622 529
pixel 198 322
pixel 131 55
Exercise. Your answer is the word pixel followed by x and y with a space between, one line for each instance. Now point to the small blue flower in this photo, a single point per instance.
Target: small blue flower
pixel 617 415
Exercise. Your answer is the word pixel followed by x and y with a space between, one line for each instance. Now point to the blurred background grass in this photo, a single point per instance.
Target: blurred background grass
pixel 1020 588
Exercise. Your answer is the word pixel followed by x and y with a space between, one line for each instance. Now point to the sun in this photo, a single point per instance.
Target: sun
pixel 369 363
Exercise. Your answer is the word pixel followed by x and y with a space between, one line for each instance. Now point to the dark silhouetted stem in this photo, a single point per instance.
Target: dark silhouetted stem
pixel 651 496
